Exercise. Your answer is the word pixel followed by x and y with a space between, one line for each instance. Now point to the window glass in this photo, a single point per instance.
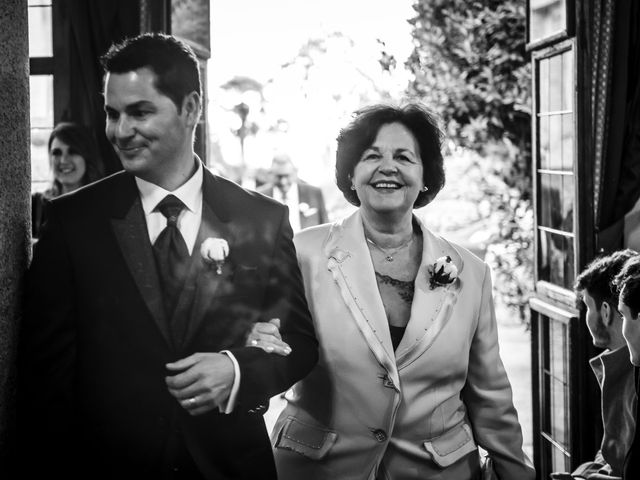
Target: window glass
pixel 555 83
pixel 555 142
pixel 543 85
pixel 568 195
pixel 40 27
pixel 555 258
pixel 546 18
pixel 545 147
pixel 556 187
pixel 41 109
pixel 567 75
pixel 567 141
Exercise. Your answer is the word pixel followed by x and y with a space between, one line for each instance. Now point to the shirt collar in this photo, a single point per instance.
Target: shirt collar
pixel 189 192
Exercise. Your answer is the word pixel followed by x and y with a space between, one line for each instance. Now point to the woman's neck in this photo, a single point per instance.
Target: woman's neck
pixel 66 188
pixel 388 231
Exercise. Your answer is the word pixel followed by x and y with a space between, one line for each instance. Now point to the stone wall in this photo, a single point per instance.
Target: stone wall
pixel 15 211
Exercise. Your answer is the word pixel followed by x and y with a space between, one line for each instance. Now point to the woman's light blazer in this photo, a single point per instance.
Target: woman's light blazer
pixel 366 412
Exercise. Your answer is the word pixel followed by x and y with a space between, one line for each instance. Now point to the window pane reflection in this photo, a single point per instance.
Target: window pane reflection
pixel 543 82
pixel 41 100
pixel 567 77
pixel 555 259
pixel 546 17
pixel 40 170
pixel 568 191
pixel 555 142
pixel 40 28
pixel 567 142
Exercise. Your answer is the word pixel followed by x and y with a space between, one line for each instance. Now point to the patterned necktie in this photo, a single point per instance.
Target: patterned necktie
pixel 171 253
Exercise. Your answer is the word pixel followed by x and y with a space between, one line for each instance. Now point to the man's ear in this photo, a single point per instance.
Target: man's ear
pixel 606 313
pixel 191 106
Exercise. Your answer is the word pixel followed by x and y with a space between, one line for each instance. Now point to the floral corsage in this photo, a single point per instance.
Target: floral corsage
pixel 442 272
pixel 215 251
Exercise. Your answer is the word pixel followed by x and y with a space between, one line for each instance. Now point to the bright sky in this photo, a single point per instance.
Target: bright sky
pixel 254 38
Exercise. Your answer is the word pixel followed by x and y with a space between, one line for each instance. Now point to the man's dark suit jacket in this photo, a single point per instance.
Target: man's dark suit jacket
pixel 93 402
pixel 313 212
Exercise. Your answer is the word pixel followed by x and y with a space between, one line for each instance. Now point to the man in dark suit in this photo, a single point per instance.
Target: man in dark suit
pixel 305 202
pixel 140 295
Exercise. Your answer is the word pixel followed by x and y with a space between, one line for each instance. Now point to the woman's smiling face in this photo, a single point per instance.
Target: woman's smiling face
pixel 389 175
pixel 68 165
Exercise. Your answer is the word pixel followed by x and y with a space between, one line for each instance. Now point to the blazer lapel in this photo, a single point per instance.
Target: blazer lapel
pixel 130 229
pixel 431 308
pixel 203 280
pixel 350 264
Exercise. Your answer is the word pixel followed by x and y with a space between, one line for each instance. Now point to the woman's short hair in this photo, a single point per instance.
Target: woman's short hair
pixel 360 134
pixel 173 62
pixel 79 139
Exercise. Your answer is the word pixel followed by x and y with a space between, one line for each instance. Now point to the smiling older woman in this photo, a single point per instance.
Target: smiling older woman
pixel 410 381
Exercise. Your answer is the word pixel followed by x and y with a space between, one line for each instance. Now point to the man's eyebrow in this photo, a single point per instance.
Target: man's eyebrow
pixel 132 106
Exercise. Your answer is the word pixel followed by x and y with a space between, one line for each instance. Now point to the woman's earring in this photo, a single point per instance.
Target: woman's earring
pixel 425 188
pixel 352 187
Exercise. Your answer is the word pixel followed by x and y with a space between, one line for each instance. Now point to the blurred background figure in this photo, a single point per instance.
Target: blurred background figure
pixel 305 202
pixel 74 162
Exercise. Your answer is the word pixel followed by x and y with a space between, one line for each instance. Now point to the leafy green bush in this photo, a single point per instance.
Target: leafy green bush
pixel 470 67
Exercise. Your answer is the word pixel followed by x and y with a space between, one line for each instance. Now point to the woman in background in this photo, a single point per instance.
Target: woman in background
pixel 409 382
pixel 74 161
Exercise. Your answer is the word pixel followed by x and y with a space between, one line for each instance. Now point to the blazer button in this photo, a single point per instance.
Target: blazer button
pixel 380 435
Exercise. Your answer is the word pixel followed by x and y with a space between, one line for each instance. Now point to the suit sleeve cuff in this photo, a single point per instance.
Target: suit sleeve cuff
pixel 231 401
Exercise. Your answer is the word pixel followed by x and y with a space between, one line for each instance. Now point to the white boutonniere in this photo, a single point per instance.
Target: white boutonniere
pixel 215 251
pixel 442 272
pixel 306 210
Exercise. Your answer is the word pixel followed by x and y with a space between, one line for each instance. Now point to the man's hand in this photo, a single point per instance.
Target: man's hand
pixel 266 335
pixel 204 381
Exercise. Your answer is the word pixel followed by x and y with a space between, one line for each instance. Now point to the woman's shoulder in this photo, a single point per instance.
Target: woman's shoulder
pixel 311 237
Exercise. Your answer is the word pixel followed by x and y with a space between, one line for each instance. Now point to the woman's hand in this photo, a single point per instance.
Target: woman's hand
pixel 266 335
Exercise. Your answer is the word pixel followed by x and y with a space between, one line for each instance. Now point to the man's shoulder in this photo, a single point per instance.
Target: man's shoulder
pixel 95 194
pixel 239 199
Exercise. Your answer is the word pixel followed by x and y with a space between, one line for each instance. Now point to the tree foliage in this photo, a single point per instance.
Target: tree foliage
pixel 469 65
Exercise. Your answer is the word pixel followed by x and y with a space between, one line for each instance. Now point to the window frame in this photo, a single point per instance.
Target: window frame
pixel 567 31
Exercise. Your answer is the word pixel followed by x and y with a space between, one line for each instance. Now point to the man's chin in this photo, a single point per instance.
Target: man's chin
pixel 132 163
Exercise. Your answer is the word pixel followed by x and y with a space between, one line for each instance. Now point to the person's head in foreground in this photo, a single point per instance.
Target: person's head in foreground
pixel 152 95
pixel 595 289
pixel 389 160
pixel 628 283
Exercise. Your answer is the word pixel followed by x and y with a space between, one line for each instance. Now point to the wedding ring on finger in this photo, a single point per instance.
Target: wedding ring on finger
pixel 254 342
pixel 190 402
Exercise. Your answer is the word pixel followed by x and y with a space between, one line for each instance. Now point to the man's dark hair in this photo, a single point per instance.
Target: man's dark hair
pixel 597 277
pixel 173 62
pixel 630 293
pixel 360 134
pixel 627 284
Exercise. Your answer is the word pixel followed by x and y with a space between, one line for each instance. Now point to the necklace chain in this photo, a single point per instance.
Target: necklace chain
pixel 390 252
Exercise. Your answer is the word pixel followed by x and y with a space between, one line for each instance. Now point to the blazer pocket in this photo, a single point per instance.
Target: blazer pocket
pixel 451 446
pixel 309 440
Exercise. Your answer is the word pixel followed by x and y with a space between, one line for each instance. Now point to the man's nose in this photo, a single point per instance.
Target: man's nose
pixel 123 127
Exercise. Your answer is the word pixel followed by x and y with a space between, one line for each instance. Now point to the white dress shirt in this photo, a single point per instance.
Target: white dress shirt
pixel 189 193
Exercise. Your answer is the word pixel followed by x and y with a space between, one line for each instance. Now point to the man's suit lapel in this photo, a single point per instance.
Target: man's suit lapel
pixel 130 229
pixel 431 308
pixel 350 264
pixel 203 280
